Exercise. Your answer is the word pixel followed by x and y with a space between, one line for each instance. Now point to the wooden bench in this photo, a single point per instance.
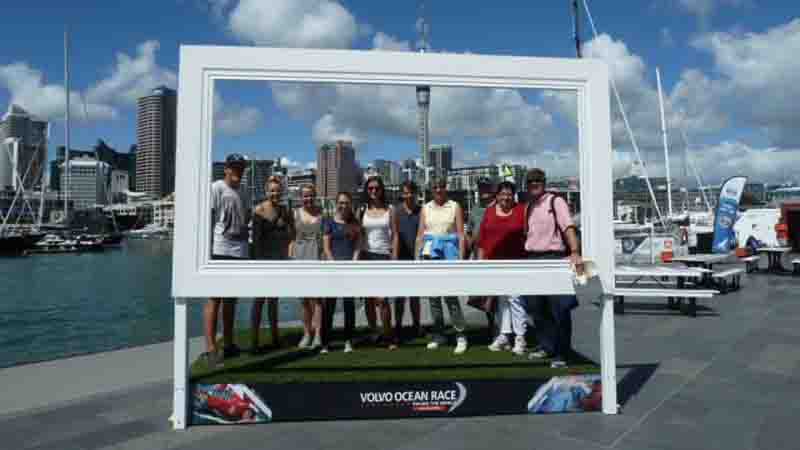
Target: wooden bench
pixel 796 266
pixel 721 279
pixel 671 295
pixel 751 263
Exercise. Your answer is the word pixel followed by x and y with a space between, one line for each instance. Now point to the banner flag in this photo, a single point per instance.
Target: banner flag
pixel 727 210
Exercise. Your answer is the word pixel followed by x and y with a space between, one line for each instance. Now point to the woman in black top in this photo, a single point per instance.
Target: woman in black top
pixel 407 222
pixel 273 230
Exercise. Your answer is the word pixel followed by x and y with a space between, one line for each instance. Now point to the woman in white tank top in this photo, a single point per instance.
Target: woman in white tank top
pixel 380 229
pixel 441 236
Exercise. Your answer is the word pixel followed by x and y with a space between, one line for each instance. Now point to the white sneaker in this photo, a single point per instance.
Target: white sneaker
pixel 499 344
pixel 520 345
pixel 348 347
pixel 461 345
pixel 433 345
pixel 304 343
pixel 317 343
pixel 538 354
pixel 558 364
pixel 324 350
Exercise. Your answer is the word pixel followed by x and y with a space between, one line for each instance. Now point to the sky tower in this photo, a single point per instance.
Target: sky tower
pixel 423 94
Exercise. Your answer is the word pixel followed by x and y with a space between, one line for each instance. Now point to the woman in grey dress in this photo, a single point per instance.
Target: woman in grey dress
pixel 307 246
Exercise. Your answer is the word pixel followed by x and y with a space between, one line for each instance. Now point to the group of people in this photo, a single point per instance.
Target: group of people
pixel 499 228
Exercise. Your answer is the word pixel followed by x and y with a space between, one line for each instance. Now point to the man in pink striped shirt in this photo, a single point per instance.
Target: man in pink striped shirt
pixel 550 234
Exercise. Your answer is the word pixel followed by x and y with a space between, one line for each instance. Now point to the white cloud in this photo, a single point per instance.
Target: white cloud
pixel 295 166
pixel 292 23
pixel 756 84
pixel 326 129
pixel 234 119
pixel 130 78
pixel 28 89
pixel 729 158
pixel 354 112
pixel 383 41
pixel 133 77
pixel 635 83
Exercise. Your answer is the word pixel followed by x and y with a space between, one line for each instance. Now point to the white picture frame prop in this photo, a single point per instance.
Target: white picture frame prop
pixel 195 275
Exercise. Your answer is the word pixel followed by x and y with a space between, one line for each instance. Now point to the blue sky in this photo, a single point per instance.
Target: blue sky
pixel 727 70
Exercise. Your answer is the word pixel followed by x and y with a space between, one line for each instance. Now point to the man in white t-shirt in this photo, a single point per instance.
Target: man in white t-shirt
pixel 230 214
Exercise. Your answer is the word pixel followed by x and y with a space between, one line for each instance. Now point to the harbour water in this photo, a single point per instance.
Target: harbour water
pixel 54 306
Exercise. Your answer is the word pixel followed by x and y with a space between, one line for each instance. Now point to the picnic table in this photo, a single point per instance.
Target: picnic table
pixel 657 281
pixel 703 261
pixel 774 255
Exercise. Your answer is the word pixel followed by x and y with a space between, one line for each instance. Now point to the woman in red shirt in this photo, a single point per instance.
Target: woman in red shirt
pixel 501 237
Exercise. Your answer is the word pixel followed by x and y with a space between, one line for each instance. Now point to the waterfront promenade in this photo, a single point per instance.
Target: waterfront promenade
pixel 728 379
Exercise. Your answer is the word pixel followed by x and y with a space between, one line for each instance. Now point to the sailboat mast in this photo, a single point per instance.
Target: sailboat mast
pixel 576 28
pixel 43 149
pixel 666 147
pixel 66 127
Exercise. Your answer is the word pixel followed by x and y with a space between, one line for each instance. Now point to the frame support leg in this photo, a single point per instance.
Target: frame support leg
pixel 608 358
pixel 180 365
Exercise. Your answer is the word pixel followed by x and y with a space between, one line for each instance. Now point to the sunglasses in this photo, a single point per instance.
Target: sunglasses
pixel 373 188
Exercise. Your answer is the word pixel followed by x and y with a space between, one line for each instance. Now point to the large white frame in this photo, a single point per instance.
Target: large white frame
pixel 195 276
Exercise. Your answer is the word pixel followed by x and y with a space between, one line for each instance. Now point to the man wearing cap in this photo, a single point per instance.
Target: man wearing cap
pixel 550 234
pixel 230 213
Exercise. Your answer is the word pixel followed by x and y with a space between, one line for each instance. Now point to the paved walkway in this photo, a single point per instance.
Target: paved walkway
pixel 728 379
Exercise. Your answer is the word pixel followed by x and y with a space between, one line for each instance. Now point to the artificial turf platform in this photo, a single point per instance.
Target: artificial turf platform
pixel 411 362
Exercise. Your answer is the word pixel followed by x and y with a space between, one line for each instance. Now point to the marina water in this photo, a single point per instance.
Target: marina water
pixel 54 306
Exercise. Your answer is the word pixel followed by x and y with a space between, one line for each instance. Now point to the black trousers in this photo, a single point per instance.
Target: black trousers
pixel 329 309
pixel 552 316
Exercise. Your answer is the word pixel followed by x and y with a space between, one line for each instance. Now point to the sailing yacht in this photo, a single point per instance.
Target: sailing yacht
pixel 15 238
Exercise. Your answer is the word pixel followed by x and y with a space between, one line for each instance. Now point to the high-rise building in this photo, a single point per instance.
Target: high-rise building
pixel 125 162
pixel 394 173
pixel 423 123
pixel 155 142
pixel 55 165
pixel 440 159
pixel 255 175
pixel 31 133
pixel 409 171
pixel 9 162
pixel 336 166
pixel 423 92
pixel 117 161
pixel 295 182
pixel 467 178
pixel 89 179
pixel 132 173
pixel 388 170
pixel 118 185
pixel 217 170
